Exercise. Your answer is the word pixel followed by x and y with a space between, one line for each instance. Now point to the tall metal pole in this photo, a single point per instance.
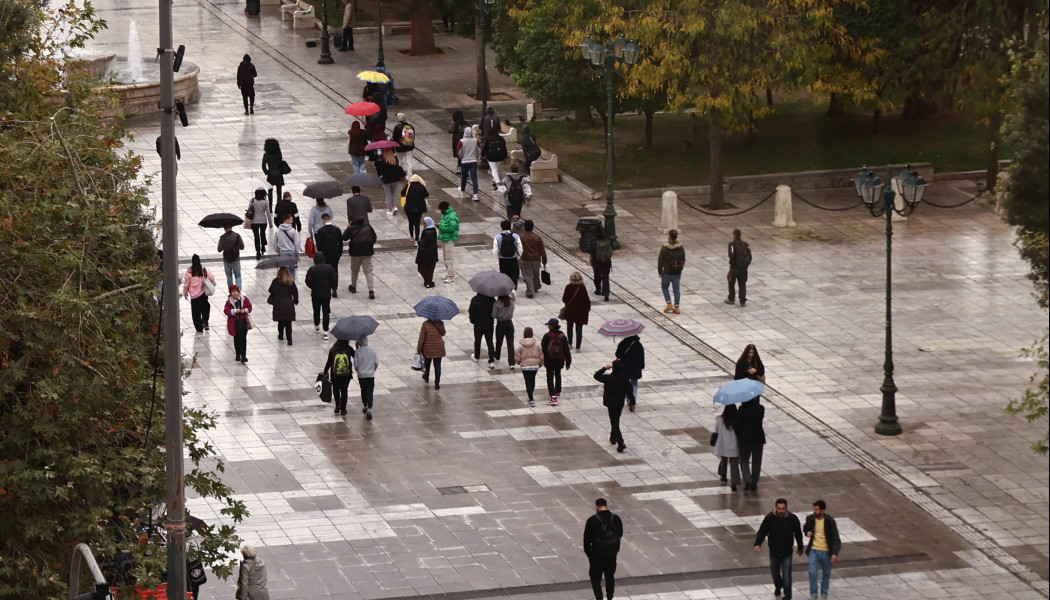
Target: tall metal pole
pixel 326 51
pixel 610 209
pixel 173 444
pixel 888 424
pixel 379 19
pixel 484 91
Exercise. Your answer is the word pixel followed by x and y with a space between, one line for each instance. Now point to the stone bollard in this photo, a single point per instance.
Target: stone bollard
pixel 669 213
pixel 532 110
pixel 782 216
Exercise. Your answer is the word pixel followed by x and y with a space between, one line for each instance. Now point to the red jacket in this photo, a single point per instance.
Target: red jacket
pixel 231 317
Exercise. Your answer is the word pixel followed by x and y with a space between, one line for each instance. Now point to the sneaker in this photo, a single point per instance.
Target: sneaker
pixel 389 213
pixel 206 328
pixel 368 415
pixel 395 211
pixel 492 365
pixel 632 408
pixel 335 293
pixel 449 279
pixel 621 447
pixel 554 401
pixel 325 336
pixel 512 367
pixel 352 288
pixel 729 301
pixel 317 328
pixel 743 304
pixel 437 386
pixel 532 403
pixel 364 410
pixel 371 295
pixel 475 198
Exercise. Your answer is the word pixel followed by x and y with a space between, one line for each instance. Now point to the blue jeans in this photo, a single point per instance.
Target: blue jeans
pixel 468 169
pixel 634 390
pixel 291 268
pixel 671 280
pixel 359 163
pixel 819 559
pixel 780 568
pixel 233 271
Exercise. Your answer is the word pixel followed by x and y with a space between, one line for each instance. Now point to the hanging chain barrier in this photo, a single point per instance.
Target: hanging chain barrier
pixel 739 212
pixel 963 203
pixel 817 206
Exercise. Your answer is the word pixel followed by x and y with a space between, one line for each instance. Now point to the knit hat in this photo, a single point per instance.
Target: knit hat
pixel 402 116
pixel 234 288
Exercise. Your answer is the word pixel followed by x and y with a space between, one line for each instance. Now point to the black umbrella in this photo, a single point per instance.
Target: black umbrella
pixel 221 220
pixel 354 327
pixel 364 179
pixel 273 262
pixel 323 189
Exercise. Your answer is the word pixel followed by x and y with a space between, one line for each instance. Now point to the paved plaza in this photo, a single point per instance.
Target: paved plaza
pixel 468 493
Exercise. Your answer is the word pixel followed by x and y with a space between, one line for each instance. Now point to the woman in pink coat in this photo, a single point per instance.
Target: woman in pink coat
pixel 238 308
pixel 193 290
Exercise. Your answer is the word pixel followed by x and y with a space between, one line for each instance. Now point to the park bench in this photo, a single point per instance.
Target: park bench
pixel 300 12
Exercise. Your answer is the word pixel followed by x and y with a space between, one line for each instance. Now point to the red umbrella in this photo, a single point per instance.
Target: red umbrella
pixel 362 109
pixel 382 144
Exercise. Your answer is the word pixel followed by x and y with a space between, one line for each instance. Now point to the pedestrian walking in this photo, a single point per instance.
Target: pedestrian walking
pixel 287 241
pixel 251 578
pixel 529 147
pixel 339 369
pixel 274 167
pixel 503 312
pixel 230 244
pixel 319 279
pixel 782 528
pixel 529 357
pixel 286 206
pixel 516 191
pixel 556 356
pixel 533 258
pixel 601 262
pixel 362 246
pixel 726 447
pixel 357 205
pixel 601 542
pixel 617 388
pixel 415 194
pixel 507 248
pixel 238 312
pixel 246 75
pixel 490 125
pixel 669 265
pixel 823 547
pixel 284 295
pixel 494 151
pixel 355 147
pixel 316 221
pixel 330 242
pixel 367 361
pixel 749 365
pixel 349 22
pixel 404 133
pixel 456 131
pixel 577 308
pixel 427 252
pixel 632 358
pixel 739 261
pixel 448 235
pixel 259 216
pixel 432 345
pixel 480 315
pixel 468 163
pixel 390 172
pixel 194 289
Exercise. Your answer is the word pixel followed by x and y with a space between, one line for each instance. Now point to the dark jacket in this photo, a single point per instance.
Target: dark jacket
pixel 271 166
pixel 480 311
pixel 358 207
pixel 743 366
pixel 616 388
pixel 427 252
pixel 632 357
pixel 736 247
pixel 831 533
pixel 230 244
pixel 416 198
pixel 358 140
pixel 749 431
pixel 780 532
pixel 362 239
pixel 671 259
pixel 592 533
pixel 389 173
pixel 577 303
pixel 283 298
pixel 532 246
pixel 336 349
pixel 551 363
pixel 320 278
pixel 246 75
pixel 282 209
pixel 330 241
pixel 397 136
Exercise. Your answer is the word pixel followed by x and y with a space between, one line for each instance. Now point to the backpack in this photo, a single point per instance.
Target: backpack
pixel 675 261
pixel 602 251
pixel 555 349
pixel 532 150
pixel 608 541
pixel 341 365
pixel 743 255
pixel 507 247
pixel 516 191
pixel 408 136
pixel 496 150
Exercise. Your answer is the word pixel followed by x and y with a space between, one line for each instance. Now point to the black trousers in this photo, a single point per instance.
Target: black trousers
pixel 483 330
pixel 340 392
pixel 602 566
pixel 505 331
pixel 614 424
pixel 368 388
pixel 554 381
pixel 322 308
pixel 601 278
pixel 413 223
pixel 240 344
pixel 513 209
pixel 259 233
pixel 509 267
pixel 348 38
pixel 248 95
pixel 437 369
pixel 284 328
pixel 335 265
pixel 530 382
pixel 200 310
pixel 738 276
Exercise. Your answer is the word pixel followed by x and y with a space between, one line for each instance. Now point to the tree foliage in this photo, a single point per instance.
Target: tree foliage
pixel 81 430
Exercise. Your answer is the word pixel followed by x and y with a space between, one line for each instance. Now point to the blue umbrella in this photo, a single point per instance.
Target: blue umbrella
pixel 739 391
pixel 436 308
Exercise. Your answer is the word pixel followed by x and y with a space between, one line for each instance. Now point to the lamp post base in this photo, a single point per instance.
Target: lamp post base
pixel 888 427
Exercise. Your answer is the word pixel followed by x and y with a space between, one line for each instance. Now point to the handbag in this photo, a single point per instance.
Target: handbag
pixel 311 249
pixel 714 438
pixel 196 573
pixel 323 387
pixel 285 169
pixel 209 285
pixel 251 323
pixel 417 361
pixel 545 277
pixel 404 194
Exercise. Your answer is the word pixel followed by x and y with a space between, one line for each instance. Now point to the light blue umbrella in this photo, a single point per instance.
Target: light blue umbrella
pixel 739 391
pixel 436 308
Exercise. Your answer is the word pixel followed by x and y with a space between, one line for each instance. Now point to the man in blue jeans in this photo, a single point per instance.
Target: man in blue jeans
pixel 669 265
pixel 780 526
pixel 823 548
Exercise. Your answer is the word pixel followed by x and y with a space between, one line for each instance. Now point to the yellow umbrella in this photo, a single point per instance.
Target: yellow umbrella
pixel 373 77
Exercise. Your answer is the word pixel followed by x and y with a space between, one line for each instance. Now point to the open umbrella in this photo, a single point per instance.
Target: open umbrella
pixel 248 185
pixel 380 144
pixel 492 283
pixel 323 189
pixel 362 109
pixel 354 328
pixel 373 77
pixel 739 391
pixel 621 328
pixel 436 308
pixel 273 262
pixel 364 179
pixel 221 220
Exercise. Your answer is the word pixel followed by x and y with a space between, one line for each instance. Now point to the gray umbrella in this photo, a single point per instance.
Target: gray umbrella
pixel 273 262
pixel 364 179
pixel 354 328
pixel 323 189
pixel 492 283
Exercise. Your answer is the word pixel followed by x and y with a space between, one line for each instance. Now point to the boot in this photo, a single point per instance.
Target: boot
pixel 676 311
pixel 669 308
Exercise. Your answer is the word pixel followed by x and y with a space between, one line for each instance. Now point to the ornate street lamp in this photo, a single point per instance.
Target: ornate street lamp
pixel 870 188
pixel 483 89
pixel 604 58
pixel 326 52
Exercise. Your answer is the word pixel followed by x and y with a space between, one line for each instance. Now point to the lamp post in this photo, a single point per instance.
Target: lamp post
pixel 326 52
pixel 483 68
pixel 601 58
pixel 912 187
pixel 379 20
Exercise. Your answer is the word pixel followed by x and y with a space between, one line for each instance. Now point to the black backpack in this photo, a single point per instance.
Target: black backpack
pixel 532 150
pixel 743 254
pixel 516 191
pixel 496 150
pixel 507 247
pixel 608 540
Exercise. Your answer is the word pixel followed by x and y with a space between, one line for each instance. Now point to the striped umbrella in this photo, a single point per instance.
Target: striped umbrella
pixel 621 328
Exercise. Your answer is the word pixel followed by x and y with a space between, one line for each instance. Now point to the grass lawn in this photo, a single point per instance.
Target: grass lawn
pixel 366 12
pixel 797 138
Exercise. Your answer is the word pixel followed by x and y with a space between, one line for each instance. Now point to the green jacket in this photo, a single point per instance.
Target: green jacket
pixel 448 226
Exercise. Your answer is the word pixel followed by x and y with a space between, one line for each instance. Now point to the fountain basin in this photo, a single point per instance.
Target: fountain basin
pixel 143 98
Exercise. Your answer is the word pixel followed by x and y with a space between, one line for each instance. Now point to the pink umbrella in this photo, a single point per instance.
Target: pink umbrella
pixel 362 109
pixel 382 144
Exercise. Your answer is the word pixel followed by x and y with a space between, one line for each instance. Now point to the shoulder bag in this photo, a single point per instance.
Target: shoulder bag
pixel 561 313
pixel 209 285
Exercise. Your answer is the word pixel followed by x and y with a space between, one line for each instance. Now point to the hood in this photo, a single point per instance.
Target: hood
pixel 528 342
pixel 319 258
pixel 525 130
pixel 468 133
pixel 429 222
pixel 629 339
pixel 363 341
pixel 286 226
pixel 672 245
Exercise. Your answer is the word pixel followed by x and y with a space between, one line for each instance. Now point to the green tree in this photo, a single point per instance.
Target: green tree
pixel 81 429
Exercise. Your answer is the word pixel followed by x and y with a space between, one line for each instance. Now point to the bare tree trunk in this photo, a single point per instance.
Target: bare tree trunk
pixel 649 129
pixel 876 118
pixel 769 97
pixel 718 200
pixel 992 176
pixel 583 117
pixel 482 80
pixel 422 28
pixel 836 107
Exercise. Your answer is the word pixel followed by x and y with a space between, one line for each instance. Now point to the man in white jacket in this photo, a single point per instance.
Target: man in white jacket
pixel 367 361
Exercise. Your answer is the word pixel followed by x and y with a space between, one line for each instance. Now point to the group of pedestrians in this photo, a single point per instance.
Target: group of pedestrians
pixel 739 434
pixel 784 533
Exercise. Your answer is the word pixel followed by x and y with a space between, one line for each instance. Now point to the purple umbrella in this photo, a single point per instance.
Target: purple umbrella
pixel 621 328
